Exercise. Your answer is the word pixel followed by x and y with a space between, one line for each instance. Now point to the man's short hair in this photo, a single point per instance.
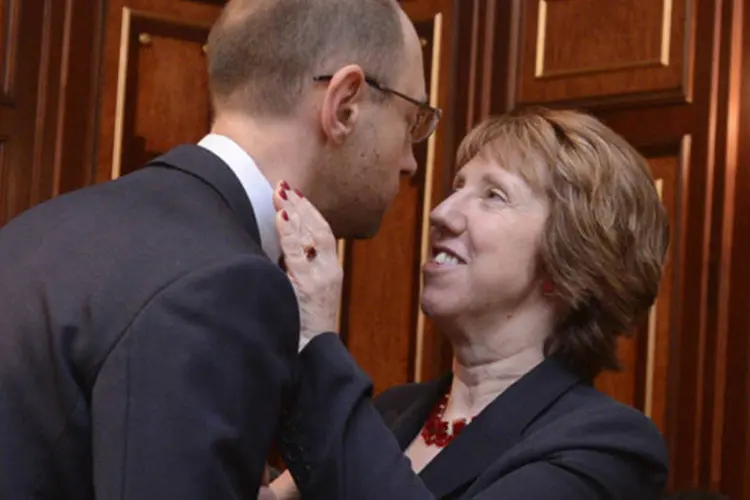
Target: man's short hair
pixel 263 53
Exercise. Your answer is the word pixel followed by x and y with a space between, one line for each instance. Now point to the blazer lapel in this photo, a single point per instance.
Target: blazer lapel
pixel 497 428
pixel 206 166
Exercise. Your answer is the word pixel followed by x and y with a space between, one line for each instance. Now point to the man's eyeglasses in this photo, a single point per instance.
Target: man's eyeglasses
pixel 427 117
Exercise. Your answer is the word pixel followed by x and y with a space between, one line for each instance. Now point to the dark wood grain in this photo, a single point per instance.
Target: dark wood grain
pixel 730 433
pixel 161 109
pixel 598 53
pixel 180 67
pixel 48 103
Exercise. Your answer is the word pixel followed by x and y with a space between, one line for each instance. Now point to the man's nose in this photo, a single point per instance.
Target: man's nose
pixel 410 166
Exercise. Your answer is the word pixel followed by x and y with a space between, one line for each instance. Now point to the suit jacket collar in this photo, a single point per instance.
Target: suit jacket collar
pixel 206 166
pixel 494 431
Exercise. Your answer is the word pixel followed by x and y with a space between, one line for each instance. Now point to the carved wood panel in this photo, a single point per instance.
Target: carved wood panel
pixel 27 33
pixel 645 356
pixel 599 53
pixel 154 93
pixel 9 16
pixel 17 109
pixel 163 98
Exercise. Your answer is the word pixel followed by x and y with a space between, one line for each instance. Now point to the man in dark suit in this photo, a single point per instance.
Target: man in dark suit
pixel 148 340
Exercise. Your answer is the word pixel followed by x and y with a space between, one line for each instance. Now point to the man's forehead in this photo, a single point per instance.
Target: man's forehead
pixel 417 85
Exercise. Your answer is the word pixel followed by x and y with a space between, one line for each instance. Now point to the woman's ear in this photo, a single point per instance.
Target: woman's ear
pixel 341 103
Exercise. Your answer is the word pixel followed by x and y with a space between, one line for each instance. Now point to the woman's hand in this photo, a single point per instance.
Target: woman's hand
pixel 265 492
pixel 311 260
pixel 283 488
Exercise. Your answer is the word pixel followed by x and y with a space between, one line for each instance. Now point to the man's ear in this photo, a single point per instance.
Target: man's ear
pixel 342 102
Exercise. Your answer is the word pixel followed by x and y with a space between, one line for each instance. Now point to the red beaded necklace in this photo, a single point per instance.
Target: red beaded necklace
pixel 438 432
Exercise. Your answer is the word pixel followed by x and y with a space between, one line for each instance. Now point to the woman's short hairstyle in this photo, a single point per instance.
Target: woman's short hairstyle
pixel 606 238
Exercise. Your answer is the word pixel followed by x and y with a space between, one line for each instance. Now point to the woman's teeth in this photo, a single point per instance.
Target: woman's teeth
pixel 446 259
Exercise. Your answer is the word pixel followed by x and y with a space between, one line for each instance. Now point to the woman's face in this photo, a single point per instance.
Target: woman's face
pixel 484 244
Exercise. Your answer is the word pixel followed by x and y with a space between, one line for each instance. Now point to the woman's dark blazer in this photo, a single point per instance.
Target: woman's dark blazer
pixel 549 436
pixel 550 427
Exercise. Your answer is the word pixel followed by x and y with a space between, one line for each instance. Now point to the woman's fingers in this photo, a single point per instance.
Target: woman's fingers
pixel 290 233
pixel 309 218
pixel 280 194
pixel 309 248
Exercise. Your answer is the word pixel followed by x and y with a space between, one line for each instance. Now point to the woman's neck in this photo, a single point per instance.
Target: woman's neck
pixel 491 355
pixel 474 387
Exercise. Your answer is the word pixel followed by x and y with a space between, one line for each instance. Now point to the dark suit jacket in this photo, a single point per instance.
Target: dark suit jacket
pixel 146 341
pixel 550 436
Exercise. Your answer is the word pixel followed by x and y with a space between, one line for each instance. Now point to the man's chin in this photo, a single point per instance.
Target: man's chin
pixel 360 230
pixel 365 234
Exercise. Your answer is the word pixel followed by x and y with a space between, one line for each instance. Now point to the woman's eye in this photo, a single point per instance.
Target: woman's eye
pixel 496 194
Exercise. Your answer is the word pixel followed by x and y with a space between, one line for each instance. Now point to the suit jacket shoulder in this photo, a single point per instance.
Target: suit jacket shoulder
pixel 162 270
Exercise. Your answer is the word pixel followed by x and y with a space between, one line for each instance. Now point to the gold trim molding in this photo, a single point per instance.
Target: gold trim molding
pixel 122 85
pixel 428 195
pixel 648 403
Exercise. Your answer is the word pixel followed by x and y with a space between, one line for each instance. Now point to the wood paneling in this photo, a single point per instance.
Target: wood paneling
pixel 154 91
pixel 22 28
pixel 163 95
pixel 729 437
pixel 9 17
pixel 48 61
pixel 596 53
pixel 642 383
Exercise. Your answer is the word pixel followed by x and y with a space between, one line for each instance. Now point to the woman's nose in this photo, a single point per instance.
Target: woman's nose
pixel 448 216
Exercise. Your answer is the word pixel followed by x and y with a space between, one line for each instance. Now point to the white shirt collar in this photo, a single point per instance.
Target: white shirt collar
pixel 259 190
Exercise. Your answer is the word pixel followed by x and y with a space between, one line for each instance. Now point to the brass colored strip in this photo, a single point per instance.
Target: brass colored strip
pixel 427 199
pixel 648 403
pixel 122 77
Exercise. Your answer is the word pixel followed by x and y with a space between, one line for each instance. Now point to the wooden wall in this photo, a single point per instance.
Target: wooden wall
pixel 88 95
pixel 49 62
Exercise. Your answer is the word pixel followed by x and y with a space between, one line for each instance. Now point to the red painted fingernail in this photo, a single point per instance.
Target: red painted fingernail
pixel 283 195
pixel 299 193
pixel 285 186
pixel 284 215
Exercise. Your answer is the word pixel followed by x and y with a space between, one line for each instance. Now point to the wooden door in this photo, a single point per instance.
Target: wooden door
pixel 47 104
pixel 155 85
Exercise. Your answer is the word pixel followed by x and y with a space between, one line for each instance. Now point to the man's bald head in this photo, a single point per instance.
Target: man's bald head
pixel 262 54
